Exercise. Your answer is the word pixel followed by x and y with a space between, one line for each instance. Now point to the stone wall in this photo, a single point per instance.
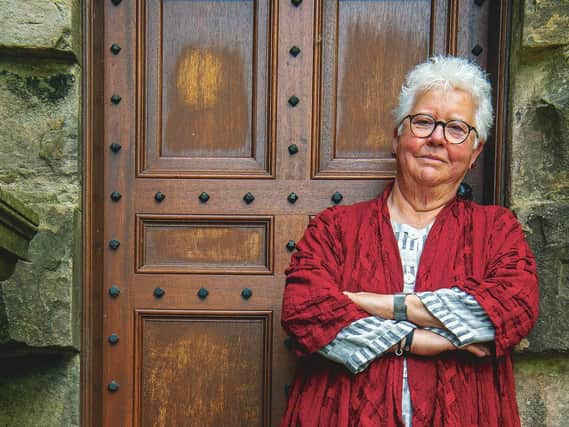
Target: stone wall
pixel 539 194
pixel 40 89
pixel 39 157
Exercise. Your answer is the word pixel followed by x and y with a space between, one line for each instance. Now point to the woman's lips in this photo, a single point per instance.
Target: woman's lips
pixel 433 158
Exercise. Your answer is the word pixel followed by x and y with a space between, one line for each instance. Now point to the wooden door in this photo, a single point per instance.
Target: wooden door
pixel 219 127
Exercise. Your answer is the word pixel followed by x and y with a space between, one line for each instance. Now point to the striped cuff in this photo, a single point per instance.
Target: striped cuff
pixel 358 344
pixel 460 313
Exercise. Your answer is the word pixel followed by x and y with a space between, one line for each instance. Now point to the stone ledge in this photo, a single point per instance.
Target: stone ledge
pixel 18 225
pixel 41 27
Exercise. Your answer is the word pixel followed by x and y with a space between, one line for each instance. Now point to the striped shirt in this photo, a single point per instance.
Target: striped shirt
pixel 465 322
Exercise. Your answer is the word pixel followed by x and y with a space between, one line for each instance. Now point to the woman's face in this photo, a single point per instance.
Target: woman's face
pixel 433 161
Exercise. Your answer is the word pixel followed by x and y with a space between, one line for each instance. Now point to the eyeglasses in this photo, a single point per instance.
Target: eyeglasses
pixel 454 131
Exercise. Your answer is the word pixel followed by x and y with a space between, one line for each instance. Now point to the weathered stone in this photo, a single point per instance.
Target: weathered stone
pixel 40 391
pixel 39 146
pixel 547 228
pixel 539 194
pixel 45 26
pixel 546 23
pixel 38 298
pixel 540 131
pixel 542 386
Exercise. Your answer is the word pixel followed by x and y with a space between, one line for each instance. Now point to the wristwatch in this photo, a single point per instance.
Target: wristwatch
pixel 399 307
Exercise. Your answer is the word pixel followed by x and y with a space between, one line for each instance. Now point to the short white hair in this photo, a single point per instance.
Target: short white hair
pixel 449 72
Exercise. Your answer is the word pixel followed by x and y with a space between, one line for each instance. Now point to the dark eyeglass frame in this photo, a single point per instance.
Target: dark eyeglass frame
pixel 436 123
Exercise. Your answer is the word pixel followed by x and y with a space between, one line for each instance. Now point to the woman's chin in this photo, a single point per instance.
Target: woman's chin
pixel 430 179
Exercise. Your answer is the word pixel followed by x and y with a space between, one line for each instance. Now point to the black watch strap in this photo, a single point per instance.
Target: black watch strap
pixel 399 307
pixel 408 342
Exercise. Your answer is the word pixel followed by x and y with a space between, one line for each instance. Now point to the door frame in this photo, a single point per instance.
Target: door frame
pixel 93 50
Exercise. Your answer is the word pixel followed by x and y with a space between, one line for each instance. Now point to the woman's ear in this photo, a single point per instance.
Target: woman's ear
pixel 394 142
pixel 476 153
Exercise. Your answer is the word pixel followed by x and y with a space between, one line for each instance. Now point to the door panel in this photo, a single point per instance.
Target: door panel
pixel 363 52
pixel 180 383
pixel 207 91
pixel 190 244
pixel 229 143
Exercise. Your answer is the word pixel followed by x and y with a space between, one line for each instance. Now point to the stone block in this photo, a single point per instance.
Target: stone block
pixel 547 228
pixel 39 153
pixel 539 150
pixel 545 23
pixel 39 297
pixel 40 391
pixel 542 388
pixel 42 26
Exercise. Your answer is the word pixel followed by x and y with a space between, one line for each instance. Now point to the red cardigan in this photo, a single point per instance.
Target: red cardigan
pixel 480 249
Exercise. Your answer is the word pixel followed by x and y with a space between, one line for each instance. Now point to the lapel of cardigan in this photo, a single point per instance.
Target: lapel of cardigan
pixel 388 249
pixel 441 250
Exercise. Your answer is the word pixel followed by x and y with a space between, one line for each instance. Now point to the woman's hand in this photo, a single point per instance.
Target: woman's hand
pixel 479 349
pixel 427 343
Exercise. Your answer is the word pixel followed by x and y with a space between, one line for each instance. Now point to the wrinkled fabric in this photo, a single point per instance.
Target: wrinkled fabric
pixel 479 249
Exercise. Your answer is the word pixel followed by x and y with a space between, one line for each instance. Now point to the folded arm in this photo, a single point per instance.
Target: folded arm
pixel 314 309
pixel 451 309
pixel 443 320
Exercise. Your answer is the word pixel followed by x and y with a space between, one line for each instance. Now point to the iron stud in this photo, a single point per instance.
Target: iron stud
pixel 114 292
pixel 204 197
pixel 115 48
pixel 294 51
pixel 159 292
pixel 114 244
pixel 113 386
pixel 116 2
pixel 479 2
pixel 115 196
pixel 293 101
pixel 115 147
pixel 337 197
pixel 248 198
pixel 296 3
pixel 246 293
pixel 159 196
pixel 291 245
pixel 203 293
pixel 113 339
pixel 292 198
pixel 464 191
pixel 292 149
pixel 477 50
pixel 115 98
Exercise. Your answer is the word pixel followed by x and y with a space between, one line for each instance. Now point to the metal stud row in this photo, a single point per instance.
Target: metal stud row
pixel 114 291
pixel 248 198
pixel 202 294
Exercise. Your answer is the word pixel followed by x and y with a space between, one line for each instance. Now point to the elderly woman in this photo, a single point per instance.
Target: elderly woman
pixel 406 308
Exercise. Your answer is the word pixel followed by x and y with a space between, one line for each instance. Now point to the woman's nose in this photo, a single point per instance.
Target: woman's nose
pixel 438 135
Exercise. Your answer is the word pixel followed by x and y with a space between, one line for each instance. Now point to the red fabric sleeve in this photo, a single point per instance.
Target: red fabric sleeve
pixel 509 290
pixel 314 308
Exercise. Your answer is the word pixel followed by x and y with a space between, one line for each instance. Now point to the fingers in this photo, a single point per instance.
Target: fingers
pixel 479 350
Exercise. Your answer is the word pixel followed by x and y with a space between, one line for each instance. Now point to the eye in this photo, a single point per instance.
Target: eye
pixel 423 121
pixel 457 128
